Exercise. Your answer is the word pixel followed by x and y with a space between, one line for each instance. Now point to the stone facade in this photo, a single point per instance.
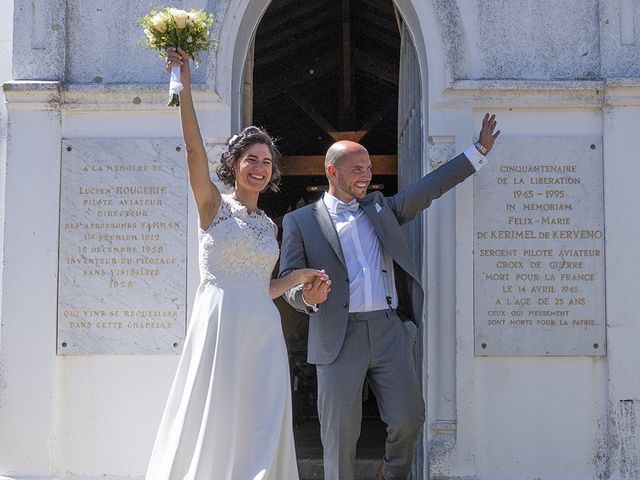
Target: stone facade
pixel 567 69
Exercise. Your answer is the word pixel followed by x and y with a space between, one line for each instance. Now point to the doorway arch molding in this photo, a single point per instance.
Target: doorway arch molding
pixel 435 28
pixel 437 33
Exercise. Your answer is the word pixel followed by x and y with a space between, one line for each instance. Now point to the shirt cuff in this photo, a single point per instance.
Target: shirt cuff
pixel 313 308
pixel 475 157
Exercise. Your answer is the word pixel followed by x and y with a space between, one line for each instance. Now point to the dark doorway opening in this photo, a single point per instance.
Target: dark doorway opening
pixel 319 72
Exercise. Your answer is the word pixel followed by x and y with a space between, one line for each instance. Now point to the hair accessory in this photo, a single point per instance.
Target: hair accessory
pixel 232 139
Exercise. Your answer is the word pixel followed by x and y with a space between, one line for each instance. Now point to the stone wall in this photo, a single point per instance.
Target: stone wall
pixel 568 70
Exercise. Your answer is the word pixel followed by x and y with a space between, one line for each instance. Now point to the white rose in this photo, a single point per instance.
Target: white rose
pixel 148 33
pixel 159 23
pixel 180 17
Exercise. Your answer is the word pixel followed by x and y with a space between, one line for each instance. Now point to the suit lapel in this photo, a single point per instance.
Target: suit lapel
pixel 374 218
pixel 327 228
pixel 395 251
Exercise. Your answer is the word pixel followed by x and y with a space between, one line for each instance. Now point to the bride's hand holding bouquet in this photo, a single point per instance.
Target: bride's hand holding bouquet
pixel 170 29
pixel 178 60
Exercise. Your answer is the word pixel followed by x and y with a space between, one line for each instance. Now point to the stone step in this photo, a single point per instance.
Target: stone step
pixel 311 469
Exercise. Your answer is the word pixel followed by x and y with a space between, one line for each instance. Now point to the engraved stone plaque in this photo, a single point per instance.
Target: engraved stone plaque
pixel 123 243
pixel 539 286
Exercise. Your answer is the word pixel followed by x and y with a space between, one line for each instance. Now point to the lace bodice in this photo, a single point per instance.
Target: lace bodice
pixel 239 247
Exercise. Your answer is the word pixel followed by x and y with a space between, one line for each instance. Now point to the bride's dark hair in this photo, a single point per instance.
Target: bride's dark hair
pixel 238 145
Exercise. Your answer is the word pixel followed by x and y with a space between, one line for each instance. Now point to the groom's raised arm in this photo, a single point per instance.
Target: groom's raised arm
pixel 416 197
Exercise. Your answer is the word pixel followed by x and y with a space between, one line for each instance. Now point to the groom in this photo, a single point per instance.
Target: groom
pixel 356 331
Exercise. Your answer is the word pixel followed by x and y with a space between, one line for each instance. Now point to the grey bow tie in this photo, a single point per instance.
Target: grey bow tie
pixel 353 206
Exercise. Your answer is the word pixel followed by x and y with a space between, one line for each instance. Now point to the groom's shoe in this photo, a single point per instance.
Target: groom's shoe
pixel 379 472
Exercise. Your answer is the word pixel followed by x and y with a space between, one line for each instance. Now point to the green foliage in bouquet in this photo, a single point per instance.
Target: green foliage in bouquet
pixel 172 27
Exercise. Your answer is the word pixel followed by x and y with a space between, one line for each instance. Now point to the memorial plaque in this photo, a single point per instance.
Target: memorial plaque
pixel 123 242
pixel 539 286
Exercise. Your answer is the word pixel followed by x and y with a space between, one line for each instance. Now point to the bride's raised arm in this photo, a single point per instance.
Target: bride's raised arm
pixel 206 194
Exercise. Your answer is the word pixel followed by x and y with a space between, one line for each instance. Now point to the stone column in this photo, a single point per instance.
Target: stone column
pixel 621 174
pixel 29 277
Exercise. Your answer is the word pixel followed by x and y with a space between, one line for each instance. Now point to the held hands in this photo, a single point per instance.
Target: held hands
pixel 317 285
pixel 487 137
pixel 178 58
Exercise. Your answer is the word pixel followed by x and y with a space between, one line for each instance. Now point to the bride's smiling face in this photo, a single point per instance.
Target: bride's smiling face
pixel 254 168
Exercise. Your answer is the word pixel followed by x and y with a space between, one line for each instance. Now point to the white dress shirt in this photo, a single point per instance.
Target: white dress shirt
pixel 363 255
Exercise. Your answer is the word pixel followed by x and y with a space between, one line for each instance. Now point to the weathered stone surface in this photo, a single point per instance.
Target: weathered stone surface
pixel 39 30
pixel 453 36
pixel 620 38
pixel 116 54
pixel 99 42
pixel 540 40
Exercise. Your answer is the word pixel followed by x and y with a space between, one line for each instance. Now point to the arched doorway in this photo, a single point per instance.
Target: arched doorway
pixel 318 72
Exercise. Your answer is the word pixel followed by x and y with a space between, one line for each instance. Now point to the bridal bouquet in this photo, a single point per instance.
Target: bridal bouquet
pixel 171 27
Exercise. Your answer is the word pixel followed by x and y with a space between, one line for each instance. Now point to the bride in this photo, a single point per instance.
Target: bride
pixel 228 416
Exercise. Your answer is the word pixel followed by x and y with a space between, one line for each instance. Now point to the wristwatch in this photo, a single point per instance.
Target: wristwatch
pixel 481 148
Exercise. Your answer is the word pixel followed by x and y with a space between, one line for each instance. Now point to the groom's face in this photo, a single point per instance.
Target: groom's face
pixel 352 176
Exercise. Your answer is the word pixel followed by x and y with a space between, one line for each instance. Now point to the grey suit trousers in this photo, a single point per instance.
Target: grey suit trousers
pixel 381 349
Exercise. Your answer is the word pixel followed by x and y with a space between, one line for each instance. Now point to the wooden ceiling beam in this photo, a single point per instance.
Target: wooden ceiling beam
pixel 277 21
pixel 383 7
pixel 384 16
pixel 376 40
pixel 276 86
pixel 297 165
pixel 371 63
pixel 336 57
pixel 345 107
pixel 299 78
pixel 313 114
pixel 373 121
pixel 280 6
pixel 300 49
pixel 386 22
pixel 291 37
pixel 320 121
pixel 307 69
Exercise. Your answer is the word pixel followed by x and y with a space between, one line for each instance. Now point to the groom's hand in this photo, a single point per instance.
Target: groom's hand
pixel 316 292
pixel 488 133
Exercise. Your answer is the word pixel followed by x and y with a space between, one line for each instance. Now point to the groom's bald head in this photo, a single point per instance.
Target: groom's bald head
pixel 340 151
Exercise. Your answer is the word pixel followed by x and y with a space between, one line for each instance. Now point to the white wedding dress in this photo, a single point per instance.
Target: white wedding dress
pixel 228 416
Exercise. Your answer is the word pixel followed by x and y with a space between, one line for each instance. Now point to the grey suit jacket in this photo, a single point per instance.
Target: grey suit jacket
pixel 310 240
